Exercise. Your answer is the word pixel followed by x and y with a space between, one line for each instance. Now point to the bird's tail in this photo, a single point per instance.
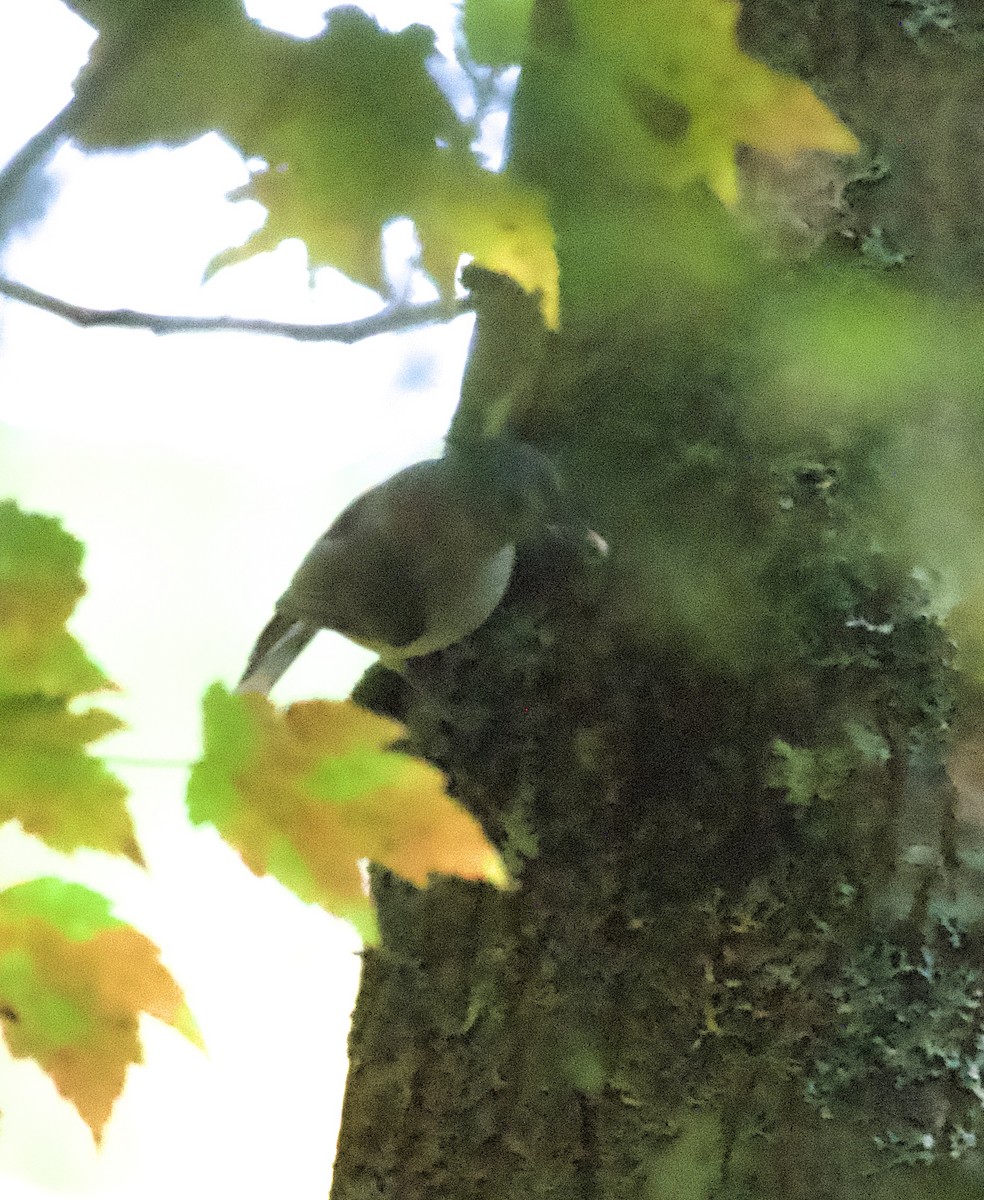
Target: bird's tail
pixel 276 648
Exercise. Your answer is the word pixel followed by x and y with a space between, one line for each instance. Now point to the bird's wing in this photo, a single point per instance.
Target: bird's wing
pixel 356 581
pixel 455 574
pixel 395 598
pixel 378 556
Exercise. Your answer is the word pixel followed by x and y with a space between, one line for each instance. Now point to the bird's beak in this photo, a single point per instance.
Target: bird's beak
pixel 267 664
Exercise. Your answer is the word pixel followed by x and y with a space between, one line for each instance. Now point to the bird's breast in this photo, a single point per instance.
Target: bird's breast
pixel 460 601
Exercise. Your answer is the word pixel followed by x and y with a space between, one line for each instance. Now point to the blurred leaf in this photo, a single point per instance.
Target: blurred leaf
pixel 73 983
pixel 806 775
pixel 622 96
pixel 48 781
pixel 504 225
pixel 496 31
pixel 352 127
pixel 305 794
pixel 887 380
pixel 167 73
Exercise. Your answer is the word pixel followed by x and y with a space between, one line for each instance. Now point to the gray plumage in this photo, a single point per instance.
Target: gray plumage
pixel 416 563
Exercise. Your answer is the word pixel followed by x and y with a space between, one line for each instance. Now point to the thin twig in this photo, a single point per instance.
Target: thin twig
pixel 389 320
pixel 180 764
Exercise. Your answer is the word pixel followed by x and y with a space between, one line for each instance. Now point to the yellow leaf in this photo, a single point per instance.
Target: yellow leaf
pixel 48 781
pixel 657 94
pixel 309 792
pixel 502 223
pixel 73 982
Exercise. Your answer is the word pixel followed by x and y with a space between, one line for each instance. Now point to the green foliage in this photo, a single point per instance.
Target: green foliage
pixel 226 747
pixel 351 125
pixel 306 794
pixel 60 1020
pixel 73 981
pixel 72 976
pixel 76 911
pixel 368 138
pixel 806 775
pixel 35 545
pixel 655 105
pixel 496 31
pixel 884 381
pixel 48 780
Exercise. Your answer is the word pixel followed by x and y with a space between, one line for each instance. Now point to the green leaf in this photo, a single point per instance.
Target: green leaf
pixel 75 910
pixel 48 781
pixel 495 31
pixel 352 127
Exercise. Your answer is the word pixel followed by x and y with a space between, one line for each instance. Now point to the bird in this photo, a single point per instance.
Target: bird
pixel 418 562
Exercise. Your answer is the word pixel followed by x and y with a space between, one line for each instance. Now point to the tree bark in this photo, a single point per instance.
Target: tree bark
pixel 742 956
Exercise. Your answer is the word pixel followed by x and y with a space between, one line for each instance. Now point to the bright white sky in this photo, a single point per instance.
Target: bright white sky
pixel 197 469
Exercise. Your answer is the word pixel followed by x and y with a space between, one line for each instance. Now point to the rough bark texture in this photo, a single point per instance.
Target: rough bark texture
pixel 713 945
pixel 743 958
pixel 907 76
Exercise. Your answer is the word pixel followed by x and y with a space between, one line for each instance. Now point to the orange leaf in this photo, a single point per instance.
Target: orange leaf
pixel 73 982
pixel 306 794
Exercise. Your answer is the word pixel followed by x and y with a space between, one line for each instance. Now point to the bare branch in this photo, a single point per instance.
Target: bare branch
pixel 389 320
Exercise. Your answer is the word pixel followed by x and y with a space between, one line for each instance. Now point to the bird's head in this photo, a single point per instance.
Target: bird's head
pixel 508 485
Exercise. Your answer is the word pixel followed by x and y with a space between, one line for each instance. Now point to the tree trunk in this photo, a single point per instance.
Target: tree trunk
pixel 742 957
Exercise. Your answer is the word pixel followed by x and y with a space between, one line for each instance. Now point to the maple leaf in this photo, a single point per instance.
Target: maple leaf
pixel 307 793
pixel 73 982
pixel 501 222
pixel 352 128
pixel 48 781
pixel 167 73
pixel 644 94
